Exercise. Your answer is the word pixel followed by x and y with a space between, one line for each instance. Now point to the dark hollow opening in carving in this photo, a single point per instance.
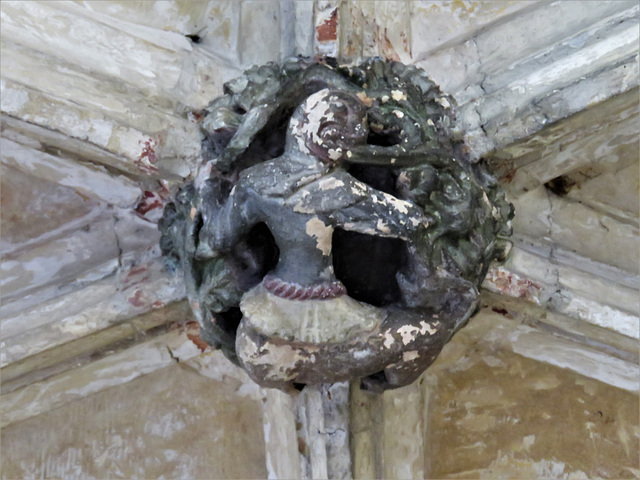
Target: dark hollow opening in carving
pixel 239 110
pixel 560 185
pixel 380 178
pixel 376 378
pixel 268 144
pixel 194 37
pixel 367 266
pixel 384 138
pixel 255 256
pixel 229 320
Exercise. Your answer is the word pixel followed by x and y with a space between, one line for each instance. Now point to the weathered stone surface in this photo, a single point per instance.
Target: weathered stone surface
pixel 89 181
pixel 86 309
pixel 612 192
pixel 56 31
pixel 168 16
pixel 513 84
pixel 437 24
pixel 367 429
pixel 171 423
pixel 283 450
pixel 261 32
pixel 370 29
pixel 505 401
pixel 66 258
pixel 83 350
pixel 403 432
pixel 496 414
pixel 322 424
pixel 599 139
pixel 26 216
pixel 589 292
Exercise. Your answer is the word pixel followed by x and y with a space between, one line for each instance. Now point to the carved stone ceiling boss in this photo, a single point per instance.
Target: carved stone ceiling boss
pixel 336 228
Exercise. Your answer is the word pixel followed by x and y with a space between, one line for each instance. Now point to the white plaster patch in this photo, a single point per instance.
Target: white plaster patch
pixel 249 348
pixel 364 99
pixel 330 183
pixel 317 110
pixel 317 229
pixel 358 188
pixel 410 356
pixel 335 154
pixel 11 99
pixel 359 355
pixel 388 339
pixel 383 227
pixel 425 327
pixel 444 102
pixel 604 316
pixel 398 95
pixel 308 178
pixel 400 205
pixel 281 359
pixel 100 132
pixel 409 333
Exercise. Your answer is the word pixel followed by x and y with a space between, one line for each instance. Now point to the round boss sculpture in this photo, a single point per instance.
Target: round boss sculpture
pixel 336 228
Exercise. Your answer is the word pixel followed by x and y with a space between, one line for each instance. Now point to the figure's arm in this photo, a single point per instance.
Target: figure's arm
pixel 378 213
pixel 224 223
pixel 355 206
pixel 396 156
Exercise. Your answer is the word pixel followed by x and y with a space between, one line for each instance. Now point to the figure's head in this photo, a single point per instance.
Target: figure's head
pixel 327 123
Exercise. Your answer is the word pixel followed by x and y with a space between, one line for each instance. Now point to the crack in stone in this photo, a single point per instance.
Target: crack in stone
pixel 557 295
pixel 171 354
pixel 116 219
pixel 482 87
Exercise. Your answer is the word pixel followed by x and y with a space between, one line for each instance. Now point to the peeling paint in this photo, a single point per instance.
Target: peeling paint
pixel 410 356
pixel 409 333
pixel 317 229
pixel 398 95
pixel 330 183
pixel 388 339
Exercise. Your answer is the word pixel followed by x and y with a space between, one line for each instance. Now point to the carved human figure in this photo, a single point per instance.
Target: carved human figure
pixel 300 310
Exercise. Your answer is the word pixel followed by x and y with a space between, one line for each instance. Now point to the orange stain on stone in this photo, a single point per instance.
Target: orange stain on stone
pixel 193 334
pixel 328 31
pixel 387 48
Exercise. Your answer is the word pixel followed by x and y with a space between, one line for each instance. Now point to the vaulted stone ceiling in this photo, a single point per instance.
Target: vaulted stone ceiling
pixel 100 102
